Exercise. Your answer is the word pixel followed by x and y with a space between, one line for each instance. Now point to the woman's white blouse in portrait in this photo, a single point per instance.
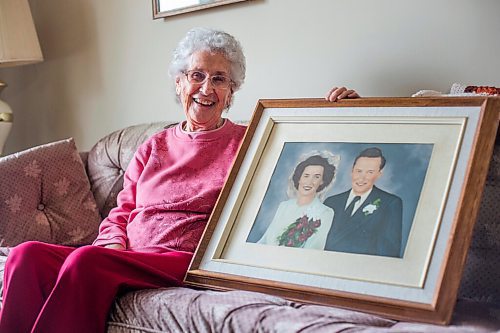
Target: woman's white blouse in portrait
pixel 288 212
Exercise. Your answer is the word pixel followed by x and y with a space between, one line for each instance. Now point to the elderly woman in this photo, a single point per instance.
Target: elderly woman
pixel 170 188
pixel 303 220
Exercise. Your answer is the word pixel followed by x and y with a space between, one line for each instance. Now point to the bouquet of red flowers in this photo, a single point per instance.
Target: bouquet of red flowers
pixel 296 234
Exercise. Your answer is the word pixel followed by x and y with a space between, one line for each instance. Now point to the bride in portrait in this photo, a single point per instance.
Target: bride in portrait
pixel 303 220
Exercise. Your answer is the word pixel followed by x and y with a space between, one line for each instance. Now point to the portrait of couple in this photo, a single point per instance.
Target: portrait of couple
pixel 356 215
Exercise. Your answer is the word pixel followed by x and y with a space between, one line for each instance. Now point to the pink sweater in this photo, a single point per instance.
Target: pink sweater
pixel 170 188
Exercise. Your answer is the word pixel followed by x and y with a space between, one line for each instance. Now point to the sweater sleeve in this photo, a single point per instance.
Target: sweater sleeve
pixel 113 229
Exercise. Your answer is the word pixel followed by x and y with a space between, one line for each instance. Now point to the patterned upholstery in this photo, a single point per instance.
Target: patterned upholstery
pixel 188 310
pixel 481 277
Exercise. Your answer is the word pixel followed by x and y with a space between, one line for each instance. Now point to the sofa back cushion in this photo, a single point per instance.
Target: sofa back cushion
pixel 109 158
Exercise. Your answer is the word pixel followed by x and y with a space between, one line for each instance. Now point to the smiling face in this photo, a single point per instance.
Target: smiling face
pixel 365 173
pixel 310 180
pixel 202 103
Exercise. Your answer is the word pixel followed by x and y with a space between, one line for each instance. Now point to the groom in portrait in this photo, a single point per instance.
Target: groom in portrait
pixel 367 219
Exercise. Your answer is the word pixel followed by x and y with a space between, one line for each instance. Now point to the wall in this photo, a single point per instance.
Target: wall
pixel 106 61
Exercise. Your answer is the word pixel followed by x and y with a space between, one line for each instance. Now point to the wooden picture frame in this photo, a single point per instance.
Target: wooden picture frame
pixel 165 8
pixel 421 283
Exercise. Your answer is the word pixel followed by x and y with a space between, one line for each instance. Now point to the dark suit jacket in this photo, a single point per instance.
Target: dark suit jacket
pixel 378 233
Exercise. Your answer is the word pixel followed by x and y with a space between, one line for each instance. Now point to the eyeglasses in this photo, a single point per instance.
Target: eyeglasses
pixel 218 81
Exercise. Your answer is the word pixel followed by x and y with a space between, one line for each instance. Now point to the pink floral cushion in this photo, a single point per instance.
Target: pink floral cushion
pixel 45 196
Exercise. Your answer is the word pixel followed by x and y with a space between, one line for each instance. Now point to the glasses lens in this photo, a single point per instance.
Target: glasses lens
pixel 196 76
pixel 218 81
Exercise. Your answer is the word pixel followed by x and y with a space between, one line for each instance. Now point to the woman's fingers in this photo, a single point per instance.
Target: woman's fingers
pixel 337 93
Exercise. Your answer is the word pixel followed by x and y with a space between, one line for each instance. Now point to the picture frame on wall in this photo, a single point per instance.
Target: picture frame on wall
pixel 165 8
pixel 282 223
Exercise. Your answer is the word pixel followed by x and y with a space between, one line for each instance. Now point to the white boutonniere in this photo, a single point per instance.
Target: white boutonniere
pixel 370 208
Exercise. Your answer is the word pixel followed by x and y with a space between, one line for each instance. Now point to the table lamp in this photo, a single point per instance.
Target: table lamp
pixel 18 46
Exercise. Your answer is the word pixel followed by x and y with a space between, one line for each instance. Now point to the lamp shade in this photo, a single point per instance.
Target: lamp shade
pixel 18 40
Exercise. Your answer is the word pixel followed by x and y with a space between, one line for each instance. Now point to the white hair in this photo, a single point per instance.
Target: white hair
pixel 211 40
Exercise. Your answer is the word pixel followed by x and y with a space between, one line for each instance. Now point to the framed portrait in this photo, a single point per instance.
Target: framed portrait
pixel 165 8
pixel 366 204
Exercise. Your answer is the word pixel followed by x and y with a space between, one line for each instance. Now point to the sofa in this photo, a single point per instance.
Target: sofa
pixel 184 309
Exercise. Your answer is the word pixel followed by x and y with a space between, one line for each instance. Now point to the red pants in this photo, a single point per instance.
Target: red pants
pixel 58 289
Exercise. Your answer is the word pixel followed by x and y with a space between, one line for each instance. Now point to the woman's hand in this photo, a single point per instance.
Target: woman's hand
pixel 337 93
pixel 115 246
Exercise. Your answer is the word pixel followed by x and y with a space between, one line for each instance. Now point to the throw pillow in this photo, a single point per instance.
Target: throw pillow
pixel 45 196
pixel 462 89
